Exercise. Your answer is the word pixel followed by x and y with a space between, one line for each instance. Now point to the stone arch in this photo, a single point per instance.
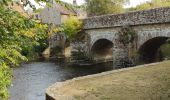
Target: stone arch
pixel 102 50
pixel 98 37
pixel 144 37
pixel 148 52
pixel 95 37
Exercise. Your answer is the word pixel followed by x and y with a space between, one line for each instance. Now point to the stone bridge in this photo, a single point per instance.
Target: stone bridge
pixel 103 34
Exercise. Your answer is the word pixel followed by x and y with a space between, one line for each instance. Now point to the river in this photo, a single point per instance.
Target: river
pixel 31 80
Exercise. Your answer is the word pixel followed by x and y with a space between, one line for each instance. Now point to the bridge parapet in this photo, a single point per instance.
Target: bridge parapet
pixel 152 16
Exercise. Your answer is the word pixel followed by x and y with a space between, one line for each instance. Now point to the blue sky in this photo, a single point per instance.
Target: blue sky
pixel 132 2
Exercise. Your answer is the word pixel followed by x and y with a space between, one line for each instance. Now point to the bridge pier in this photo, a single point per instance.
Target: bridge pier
pixel 131 37
pixel 121 58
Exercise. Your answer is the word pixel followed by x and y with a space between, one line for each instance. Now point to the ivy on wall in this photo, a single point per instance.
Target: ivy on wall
pixel 126 36
pixel 127 39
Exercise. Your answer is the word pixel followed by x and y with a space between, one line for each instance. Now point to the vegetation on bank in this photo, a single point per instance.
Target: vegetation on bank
pixel 164 50
pixel 24 39
pixel 151 82
pixel 71 27
pixel 20 40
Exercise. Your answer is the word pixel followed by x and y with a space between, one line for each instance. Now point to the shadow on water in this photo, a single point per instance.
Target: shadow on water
pixel 31 80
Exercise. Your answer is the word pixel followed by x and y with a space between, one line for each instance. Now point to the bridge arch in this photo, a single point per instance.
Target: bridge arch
pixel 149 51
pixel 102 49
pixel 96 37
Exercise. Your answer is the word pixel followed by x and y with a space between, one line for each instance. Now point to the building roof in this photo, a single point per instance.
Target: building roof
pixel 19 8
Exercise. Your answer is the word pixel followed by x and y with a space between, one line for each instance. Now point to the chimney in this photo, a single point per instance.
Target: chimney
pixel 74 2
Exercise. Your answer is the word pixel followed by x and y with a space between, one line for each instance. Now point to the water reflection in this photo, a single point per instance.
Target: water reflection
pixel 31 80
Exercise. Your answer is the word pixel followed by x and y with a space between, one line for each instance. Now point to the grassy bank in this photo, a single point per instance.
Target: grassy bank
pixel 144 83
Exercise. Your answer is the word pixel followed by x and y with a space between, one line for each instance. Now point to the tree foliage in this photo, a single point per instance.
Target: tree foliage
pixel 17 35
pixel 165 51
pixel 100 7
pixel 151 4
pixel 71 27
pixel 21 39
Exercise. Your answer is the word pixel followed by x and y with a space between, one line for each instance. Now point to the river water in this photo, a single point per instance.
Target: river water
pixel 31 80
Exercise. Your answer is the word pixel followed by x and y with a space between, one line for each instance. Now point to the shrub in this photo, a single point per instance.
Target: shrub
pixel 71 27
pixel 17 35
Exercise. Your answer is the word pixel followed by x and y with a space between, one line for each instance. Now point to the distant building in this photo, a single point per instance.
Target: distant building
pixel 18 6
pixel 55 14
pixel 81 13
pixel 75 2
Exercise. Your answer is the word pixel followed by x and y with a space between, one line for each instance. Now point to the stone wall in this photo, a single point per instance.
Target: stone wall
pixel 147 32
pixel 147 24
pixel 50 15
pixel 144 33
pixel 97 34
pixel 152 16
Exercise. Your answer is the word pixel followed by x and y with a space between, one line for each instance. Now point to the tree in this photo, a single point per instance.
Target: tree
pixel 17 34
pixel 71 27
pixel 151 4
pixel 100 7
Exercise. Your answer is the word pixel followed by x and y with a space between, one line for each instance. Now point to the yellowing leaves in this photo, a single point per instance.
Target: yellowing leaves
pixel 27 33
pixel 71 26
pixel 18 38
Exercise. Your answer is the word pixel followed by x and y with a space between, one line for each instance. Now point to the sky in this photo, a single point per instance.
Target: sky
pixel 133 3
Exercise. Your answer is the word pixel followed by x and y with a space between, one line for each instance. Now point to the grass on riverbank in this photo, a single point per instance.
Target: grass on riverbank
pixel 146 83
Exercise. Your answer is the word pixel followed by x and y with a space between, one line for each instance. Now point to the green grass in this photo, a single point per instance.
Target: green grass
pixel 146 83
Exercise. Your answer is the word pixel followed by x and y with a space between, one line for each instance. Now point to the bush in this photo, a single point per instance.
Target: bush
pixel 165 51
pixel 19 36
pixel 5 80
pixel 71 27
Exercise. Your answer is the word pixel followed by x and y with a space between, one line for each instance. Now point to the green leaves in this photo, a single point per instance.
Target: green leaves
pixel 5 79
pixel 100 7
pixel 4 2
pixel 18 38
pixel 151 4
pixel 71 27
pixel 127 35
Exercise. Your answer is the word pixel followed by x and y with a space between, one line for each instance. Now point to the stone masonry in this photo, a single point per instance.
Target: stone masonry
pixel 148 24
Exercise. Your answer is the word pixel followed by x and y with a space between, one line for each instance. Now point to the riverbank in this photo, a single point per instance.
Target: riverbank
pixel 144 82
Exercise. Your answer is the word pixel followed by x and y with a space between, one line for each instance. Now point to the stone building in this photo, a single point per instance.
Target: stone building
pixel 81 12
pixel 57 13
pixel 54 14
